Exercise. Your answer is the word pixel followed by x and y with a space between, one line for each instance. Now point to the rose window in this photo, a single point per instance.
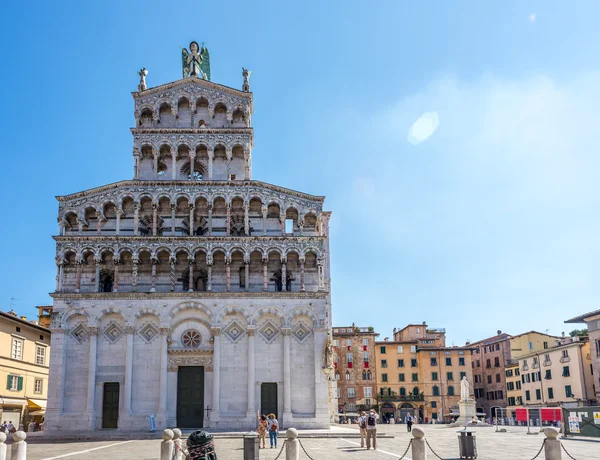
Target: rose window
pixel 191 339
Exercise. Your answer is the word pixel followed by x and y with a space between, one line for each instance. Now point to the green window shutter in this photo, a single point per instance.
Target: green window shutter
pixel 20 384
pixel 8 382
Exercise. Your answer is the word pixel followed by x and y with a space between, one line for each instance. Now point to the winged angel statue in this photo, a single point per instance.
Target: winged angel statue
pixel 196 61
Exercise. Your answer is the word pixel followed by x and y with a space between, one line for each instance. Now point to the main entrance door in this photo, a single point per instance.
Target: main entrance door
pixel 190 397
pixel 110 405
pixel 268 399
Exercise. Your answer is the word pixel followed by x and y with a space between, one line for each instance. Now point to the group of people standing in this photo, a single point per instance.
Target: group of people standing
pixel 267 424
pixel 368 428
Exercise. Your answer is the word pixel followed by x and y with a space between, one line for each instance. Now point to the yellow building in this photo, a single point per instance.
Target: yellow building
pixel 418 375
pixel 24 364
pixel 520 345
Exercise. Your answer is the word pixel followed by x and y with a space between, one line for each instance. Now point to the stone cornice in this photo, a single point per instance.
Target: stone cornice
pixel 198 81
pixel 281 296
pixel 192 131
pixel 185 239
pixel 199 184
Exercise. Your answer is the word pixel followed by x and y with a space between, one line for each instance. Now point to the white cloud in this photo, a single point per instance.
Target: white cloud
pixel 532 18
pixel 423 128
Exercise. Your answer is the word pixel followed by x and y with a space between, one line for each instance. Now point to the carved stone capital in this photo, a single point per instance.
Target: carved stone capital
pixel 215 330
pixel 251 331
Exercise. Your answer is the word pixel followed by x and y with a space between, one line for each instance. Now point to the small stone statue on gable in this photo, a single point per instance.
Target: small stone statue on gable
pixel 142 73
pixel 246 74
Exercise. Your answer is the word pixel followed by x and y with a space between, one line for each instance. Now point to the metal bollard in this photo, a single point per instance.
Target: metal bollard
pixel 177 444
pixel 2 446
pixel 292 445
pixel 552 445
pixel 167 446
pixel 419 451
pixel 19 447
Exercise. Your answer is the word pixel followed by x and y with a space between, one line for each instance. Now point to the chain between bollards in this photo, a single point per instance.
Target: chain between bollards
pixel 406 451
pixel 541 449
pixel 281 451
pixel 431 449
pixel 300 442
pixel 563 448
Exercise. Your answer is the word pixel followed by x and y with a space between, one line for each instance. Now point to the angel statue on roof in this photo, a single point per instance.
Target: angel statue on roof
pixel 196 61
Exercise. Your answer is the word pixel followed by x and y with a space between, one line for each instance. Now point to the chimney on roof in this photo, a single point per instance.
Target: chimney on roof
pixel 499 332
pixel 24 318
pixel 386 339
pixel 394 330
pixel 468 343
pixel 424 323
pixel 563 335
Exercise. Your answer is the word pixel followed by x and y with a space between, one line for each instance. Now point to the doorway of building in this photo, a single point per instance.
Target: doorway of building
pixel 110 405
pixel 406 410
pixel 268 399
pixel 190 397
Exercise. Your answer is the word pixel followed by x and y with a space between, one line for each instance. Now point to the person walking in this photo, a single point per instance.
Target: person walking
pixel 263 426
pixel 409 423
pixel 372 429
pixel 362 426
pixel 273 430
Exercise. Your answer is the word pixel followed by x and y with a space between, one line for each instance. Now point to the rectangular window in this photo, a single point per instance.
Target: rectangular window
pixel 433 404
pixel 518 384
pixel 400 377
pixel 413 348
pixel 509 373
pixel 517 372
pixel 545 345
pixel 400 349
pixel 530 346
pixel 351 393
pixel 349 360
pixel 449 376
pixel 348 343
pixel 384 363
pixel 488 363
pixel 433 361
pixel 565 353
pixel 489 379
pixel 17 349
pixel 527 395
pixel 510 386
pixel 339 393
pixel 496 361
pixel 413 363
pixel 511 401
pixel 499 394
pixel 550 393
pixel 598 347
pixel 40 355
pixel 461 361
pixel 37 385
pixel 367 392
pixel 382 350
pixel 14 383
pixel 548 375
pixel 538 394
pixel 463 374
pixel 415 377
pixel 384 377
pixel 497 347
pixel 566 371
pixel 434 376
pixel 400 363
pixel 448 361
pixel 568 392
pixel 478 363
pixel 365 342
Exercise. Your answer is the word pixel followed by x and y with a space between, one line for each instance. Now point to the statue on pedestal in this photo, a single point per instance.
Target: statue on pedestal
pixel 142 73
pixel 246 74
pixel 196 61
pixel 464 389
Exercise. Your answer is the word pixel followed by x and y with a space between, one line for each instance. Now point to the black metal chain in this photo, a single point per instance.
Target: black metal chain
pixel 406 451
pixel 431 449
pixel 299 442
pixel 540 451
pixel 563 448
pixel 281 451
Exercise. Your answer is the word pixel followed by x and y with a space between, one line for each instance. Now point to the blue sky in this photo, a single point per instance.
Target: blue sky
pixel 490 223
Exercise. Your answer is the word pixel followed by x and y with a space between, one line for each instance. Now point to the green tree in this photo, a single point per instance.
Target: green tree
pixel 578 332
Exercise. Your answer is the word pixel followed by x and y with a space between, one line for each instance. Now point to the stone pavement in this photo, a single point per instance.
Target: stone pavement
pixel 512 445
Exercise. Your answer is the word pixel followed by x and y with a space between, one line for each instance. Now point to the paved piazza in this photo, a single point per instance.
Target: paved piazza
pixel 515 444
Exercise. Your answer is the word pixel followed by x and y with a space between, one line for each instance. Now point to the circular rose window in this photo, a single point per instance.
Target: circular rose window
pixel 191 339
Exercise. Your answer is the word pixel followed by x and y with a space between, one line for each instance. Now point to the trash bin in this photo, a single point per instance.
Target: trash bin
pixel 466 444
pixel 250 447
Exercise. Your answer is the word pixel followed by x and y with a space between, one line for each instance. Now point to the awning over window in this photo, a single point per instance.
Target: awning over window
pixel 37 403
pixel 13 401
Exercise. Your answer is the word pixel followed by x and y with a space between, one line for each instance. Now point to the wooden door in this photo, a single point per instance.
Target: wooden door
pixel 268 399
pixel 190 397
pixel 110 405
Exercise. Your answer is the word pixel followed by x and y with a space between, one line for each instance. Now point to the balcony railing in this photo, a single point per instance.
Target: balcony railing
pixel 565 359
pixel 419 397
pixel 547 363
pixel 535 365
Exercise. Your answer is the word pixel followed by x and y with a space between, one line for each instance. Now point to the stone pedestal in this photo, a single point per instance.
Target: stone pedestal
pixel 467 410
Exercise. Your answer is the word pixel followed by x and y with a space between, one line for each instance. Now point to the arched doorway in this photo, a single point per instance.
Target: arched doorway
pixel 388 410
pixel 405 410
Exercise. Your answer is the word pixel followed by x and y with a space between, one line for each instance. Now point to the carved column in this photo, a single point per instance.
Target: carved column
pixel 228 153
pixel 118 228
pixel 191 275
pixel 251 373
pixel 91 393
pixel 301 224
pixel 61 227
pixel 136 163
pixel 155 163
pixel 247 274
pixel 116 276
pixel 209 277
pixel 216 400
pixel 61 275
pixel 283 274
pixel 211 155
pixel 154 218
pixel 287 375
pixel 172 274
pixel 80 226
pixel 164 362
pixel 136 219
pixel 228 220
pixel 98 223
pixel 210 208
pixel 154 262
pixel 282 222
pixel 173 164
pixel 247 174
pixel 264 216
pixel 265 262
pixel 227 274
pixel 247 219
pixel 134 274
pixel 97 281
pixel 78 277
pixel 192 161
pixel 302 286
pixel 191 220
pixel 321 272
pixel 173 207
pixel 129 330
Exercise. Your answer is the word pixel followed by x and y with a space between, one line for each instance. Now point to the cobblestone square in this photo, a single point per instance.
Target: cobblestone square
pixel 515 444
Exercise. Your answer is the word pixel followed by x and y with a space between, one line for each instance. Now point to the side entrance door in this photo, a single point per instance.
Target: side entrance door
pixel 268 399
pixel 190 397
pixel 110 405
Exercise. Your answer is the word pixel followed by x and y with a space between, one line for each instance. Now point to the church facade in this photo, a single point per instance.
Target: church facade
pixel 193 293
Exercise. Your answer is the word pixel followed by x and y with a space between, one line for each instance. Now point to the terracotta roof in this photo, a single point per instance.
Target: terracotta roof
pixel 581 318
pixel 24 322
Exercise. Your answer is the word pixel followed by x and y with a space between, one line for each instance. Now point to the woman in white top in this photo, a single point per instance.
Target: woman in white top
pixel 273 430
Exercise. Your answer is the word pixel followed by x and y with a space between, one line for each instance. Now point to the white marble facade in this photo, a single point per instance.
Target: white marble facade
pixel 191 263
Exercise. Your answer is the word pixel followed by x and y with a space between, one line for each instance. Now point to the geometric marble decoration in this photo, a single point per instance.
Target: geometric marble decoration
pixel 191 338
pixel 112 332
pixel 268 332
pixel 80 333
pixel 234 331
pixel 149 332
pixel 301 332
